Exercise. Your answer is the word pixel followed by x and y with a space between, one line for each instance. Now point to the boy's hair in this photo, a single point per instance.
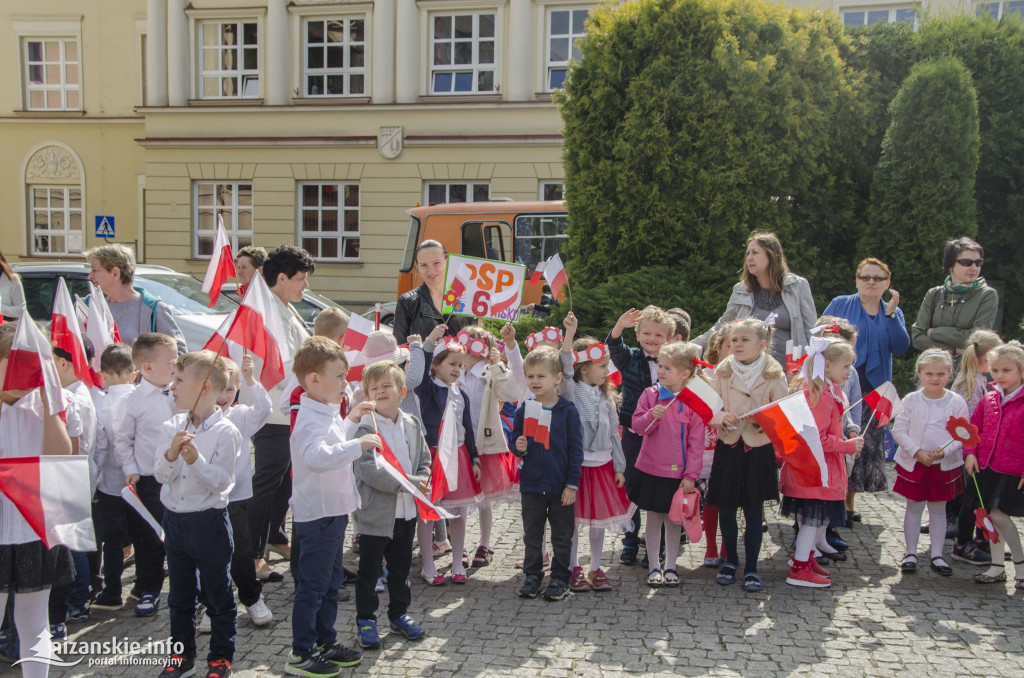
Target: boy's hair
pixel 230 368
pixel 842 327
pixel 544 356
pixel 1010 351
pixel 6 338
pixel 330 322
pixel 954 248
pixel 203 363
pixel 257 255
pixel 287 259
pixel 117 359
pixel 380 371
pixel 683 355
pixel 752 324
pixel 777 266
pixel 110 256
pixel 145 343
pixel 477 332
pixel 314 353
pixel 683 323
pixel 656 314
pixel 715 343
pixel 978 345
pixel 931 357
pixel 837 349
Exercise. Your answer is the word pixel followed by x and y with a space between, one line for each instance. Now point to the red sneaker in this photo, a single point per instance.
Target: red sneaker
pixel 599 581
pixel 818 569
pixel 801 574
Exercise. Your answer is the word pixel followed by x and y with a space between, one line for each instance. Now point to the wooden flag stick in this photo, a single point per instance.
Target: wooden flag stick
pixel 206 380
pixel 865 429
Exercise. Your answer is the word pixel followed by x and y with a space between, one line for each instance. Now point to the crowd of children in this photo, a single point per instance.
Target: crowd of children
pixel 429 423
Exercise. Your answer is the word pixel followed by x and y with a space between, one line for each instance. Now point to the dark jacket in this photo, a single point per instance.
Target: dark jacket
pixel 953 316
pixel 636 376
pixel 559 466
pixel 433 399
pixel 415 313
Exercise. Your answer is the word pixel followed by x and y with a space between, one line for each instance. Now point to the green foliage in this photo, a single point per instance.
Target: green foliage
pixel 923 190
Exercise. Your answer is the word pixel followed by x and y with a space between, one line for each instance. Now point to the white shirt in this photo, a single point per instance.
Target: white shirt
pixel 393 434
pixel 139 427
pixel 247 419
pixel 653 365
pixel 21 435
pixel 323 484
pixel 111 476
pixel 81 400
pixel 206 482
pixel 472 383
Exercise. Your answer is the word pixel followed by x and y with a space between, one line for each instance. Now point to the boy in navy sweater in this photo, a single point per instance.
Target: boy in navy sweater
pixel 549 476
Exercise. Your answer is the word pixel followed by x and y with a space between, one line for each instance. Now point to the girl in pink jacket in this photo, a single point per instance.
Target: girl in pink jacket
pixel 827 368
pixel 671 455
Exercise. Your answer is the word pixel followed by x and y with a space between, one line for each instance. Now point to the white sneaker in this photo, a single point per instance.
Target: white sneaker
pixel 202 621
pixel 260 613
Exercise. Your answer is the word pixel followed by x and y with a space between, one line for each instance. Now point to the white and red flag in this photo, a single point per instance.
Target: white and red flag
pixel 884 402
pixel 52 494
pixel 554 273
pixel 356 363
pixel 790 425
pixel 65 334
pixel 387 460
pixel 30 364
pixel 701 398
pixel 99 323
pixel 222 264
pixel 359 329
pixel 132 498
pixel 445 473
pixel 537 423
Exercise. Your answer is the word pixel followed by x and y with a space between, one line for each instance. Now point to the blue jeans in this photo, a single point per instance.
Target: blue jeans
pixel 316 589
pixel 78 591
pixel 201 544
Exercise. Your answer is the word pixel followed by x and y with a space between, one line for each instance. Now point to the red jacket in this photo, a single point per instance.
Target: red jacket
pixel 1001 429
pixel 828 416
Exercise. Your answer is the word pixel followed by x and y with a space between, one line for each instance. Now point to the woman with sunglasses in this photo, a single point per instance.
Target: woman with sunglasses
pixel 881 334
pixel 960 305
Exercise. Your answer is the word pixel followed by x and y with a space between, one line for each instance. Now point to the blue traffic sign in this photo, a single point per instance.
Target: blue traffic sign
pixel 104 227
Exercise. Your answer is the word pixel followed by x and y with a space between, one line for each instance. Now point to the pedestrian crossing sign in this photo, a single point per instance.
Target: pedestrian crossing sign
pixel 104 227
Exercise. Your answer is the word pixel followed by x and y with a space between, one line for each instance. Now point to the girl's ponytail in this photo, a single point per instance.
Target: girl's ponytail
pixel 978 345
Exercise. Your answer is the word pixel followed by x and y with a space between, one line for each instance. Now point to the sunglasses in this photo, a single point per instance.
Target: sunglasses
pixel 967 263
pixel 872 278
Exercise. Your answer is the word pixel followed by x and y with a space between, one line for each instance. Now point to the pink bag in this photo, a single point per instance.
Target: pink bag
pixel 685 510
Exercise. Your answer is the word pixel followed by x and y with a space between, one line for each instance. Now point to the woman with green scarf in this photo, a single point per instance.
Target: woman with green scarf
pixel 962 304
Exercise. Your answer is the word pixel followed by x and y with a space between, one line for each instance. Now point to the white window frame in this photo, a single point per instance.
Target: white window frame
pixel 890 19
pixel 430 8
pixel 232 209
pixel 544 183
pixel 66 212
pixel 341 235
pixel 475 67
pixel 551 65
pixel 1000 7
pixel 470 185
pixel 61 63
pixel 347 71
pixel 196 18
pixel 65 27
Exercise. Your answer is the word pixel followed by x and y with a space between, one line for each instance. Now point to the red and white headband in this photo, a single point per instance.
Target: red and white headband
pixel 552 334
pixel 476 346
pixel 591 353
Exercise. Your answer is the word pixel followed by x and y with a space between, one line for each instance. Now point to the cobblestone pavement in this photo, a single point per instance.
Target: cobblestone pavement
pixel 872 622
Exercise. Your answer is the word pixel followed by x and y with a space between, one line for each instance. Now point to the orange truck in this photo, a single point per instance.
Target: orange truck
pixel 517 232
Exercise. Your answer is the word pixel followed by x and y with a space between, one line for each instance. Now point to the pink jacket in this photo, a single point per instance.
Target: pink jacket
pixel 1001 429
pixel 673 446
pixel 828 416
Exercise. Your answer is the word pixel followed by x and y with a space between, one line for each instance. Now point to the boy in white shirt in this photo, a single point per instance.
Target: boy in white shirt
pixel 138 432
pixel 323 494
pixel 197 471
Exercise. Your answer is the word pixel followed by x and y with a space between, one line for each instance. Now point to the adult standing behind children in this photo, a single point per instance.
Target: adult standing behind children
pixel 112 268
pixel 286 273
pixel 248 263
pixel 419 310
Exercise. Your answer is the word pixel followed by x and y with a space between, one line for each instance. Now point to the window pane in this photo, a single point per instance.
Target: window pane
pixel 905 16
pixel 42 221
pixel 356 30
pixel 245 220
pixel 211 34
pixel 335 84
pixel 205 246
pixel 37 99
pixel 75 221
pixel 988 9
pixel 559 49
pixel 310 220
pixel 853 19
pixel 310 195
pixel 329 248
pixel 552 191
pixel 464 26
pixel 52 50
pixel 560 22
pixel 464 82
pixel 330 195
pixel 244 194
pixel 356 84
pixel 579 16
pixel 314 85
pixel 251 62
pixel 351 221
pixel 75 199
pixel 457 193
pixel 1013 7
pixel 329 221
pixel 57 199
pixel 463 53
pixel 486 51
pixel 485 81
pixel 71 74
pixel 35 74
pixel 72 99
pixel 336 31
pixel 355 55
pixel 53 74
pixel 443 54
pixel 315 57
pixel 481 193
pixel 53 100
pixel 351 196
pixel 35 51
pixel 486 26
pixel 314 32
pixel 442 82
pixel 352 248
pixel 250 32
pixel 876 15
pixel 436 194
pixel 336 57
pixel 311 245
pixel 442 27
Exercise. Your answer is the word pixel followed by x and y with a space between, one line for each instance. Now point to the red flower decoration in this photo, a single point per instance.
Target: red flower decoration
pixel 984 523
pixel 963 431
pixel 450 298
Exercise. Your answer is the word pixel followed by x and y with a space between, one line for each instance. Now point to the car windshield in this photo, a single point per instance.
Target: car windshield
pixel 183 294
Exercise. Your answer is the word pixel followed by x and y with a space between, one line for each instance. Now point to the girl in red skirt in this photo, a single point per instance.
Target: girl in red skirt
pixel 601 500
pixel 926 474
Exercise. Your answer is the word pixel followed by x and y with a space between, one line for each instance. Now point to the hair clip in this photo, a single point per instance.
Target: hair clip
pixel 552 334
pixel 701 363
pixel 591 353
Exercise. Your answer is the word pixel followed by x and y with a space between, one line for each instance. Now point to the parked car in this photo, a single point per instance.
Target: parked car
pixel 182 293
pixel 314 302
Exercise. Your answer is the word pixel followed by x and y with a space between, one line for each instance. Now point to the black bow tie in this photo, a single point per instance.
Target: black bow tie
pixel 166 391
pixel 652 358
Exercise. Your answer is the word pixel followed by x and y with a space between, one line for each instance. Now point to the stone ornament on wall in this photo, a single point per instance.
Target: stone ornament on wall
pixel 53 163
pixel 389 140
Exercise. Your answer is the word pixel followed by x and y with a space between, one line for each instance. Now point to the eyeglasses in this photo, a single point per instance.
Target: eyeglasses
pixel 967 263
pixel 872 278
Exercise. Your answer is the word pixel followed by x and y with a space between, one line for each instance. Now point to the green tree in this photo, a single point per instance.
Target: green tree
pixel 923 189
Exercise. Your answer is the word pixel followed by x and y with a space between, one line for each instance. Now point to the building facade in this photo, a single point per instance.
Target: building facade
pixel 309 122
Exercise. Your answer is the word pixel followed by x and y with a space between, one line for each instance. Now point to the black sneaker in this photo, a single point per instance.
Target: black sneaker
pixel 179 667
pixel 971 554
pixel 339 655
pixel 531 587
pixel 350 576
pixel 628 556
pixel 108 600
pixel 310 666
pixel 557 590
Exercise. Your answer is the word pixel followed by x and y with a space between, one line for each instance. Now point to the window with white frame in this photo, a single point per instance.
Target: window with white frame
pixel 552 190
pixel 458 191
pixel 866 16
pixel 998 10
pixel 56 219
pixel 334 58
pixel 565 28
pixel 329 220
pixel 463 48
pixel 52 74
pixel 229 60
pixel 232 202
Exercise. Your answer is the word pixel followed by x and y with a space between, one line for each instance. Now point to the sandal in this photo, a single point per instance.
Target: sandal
pixel 939 565
pixel 752 583
pixel 654 579
pixel 483 556
pixel 909 563
pixel 671 578
pixel 986 578
pixel 436 580
pixel 726 575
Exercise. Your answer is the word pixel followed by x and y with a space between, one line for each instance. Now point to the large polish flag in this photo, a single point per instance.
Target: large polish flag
pixel 222 264
pixel 885 402
pixel 445 473
pixel 790 425
pixel 30 364
pixel 701 398
pixel 99 323
pixel 65 334
pixel 386 459
pixel 52 493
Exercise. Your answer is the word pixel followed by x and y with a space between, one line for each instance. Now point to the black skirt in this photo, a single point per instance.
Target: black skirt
pixel 652 493
pixel 999 491
pixel 815 512
pixel 740 477
pixel 31 567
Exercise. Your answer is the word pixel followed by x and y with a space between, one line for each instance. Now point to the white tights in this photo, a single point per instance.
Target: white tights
pixel 806 541
pixel 596 548
pixel 486 518
pixel 655 521
pixel 936 525
pixel 1009 536
pixel 31 618
pixel 425 537
pixel 457 528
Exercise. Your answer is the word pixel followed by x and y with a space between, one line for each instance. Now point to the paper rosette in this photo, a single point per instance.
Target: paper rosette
pixel 963 431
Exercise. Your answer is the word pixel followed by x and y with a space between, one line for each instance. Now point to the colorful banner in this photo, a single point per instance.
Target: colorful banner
pixel 493 289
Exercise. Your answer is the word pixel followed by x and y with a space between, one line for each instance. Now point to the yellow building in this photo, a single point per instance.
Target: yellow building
pixel 309 122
